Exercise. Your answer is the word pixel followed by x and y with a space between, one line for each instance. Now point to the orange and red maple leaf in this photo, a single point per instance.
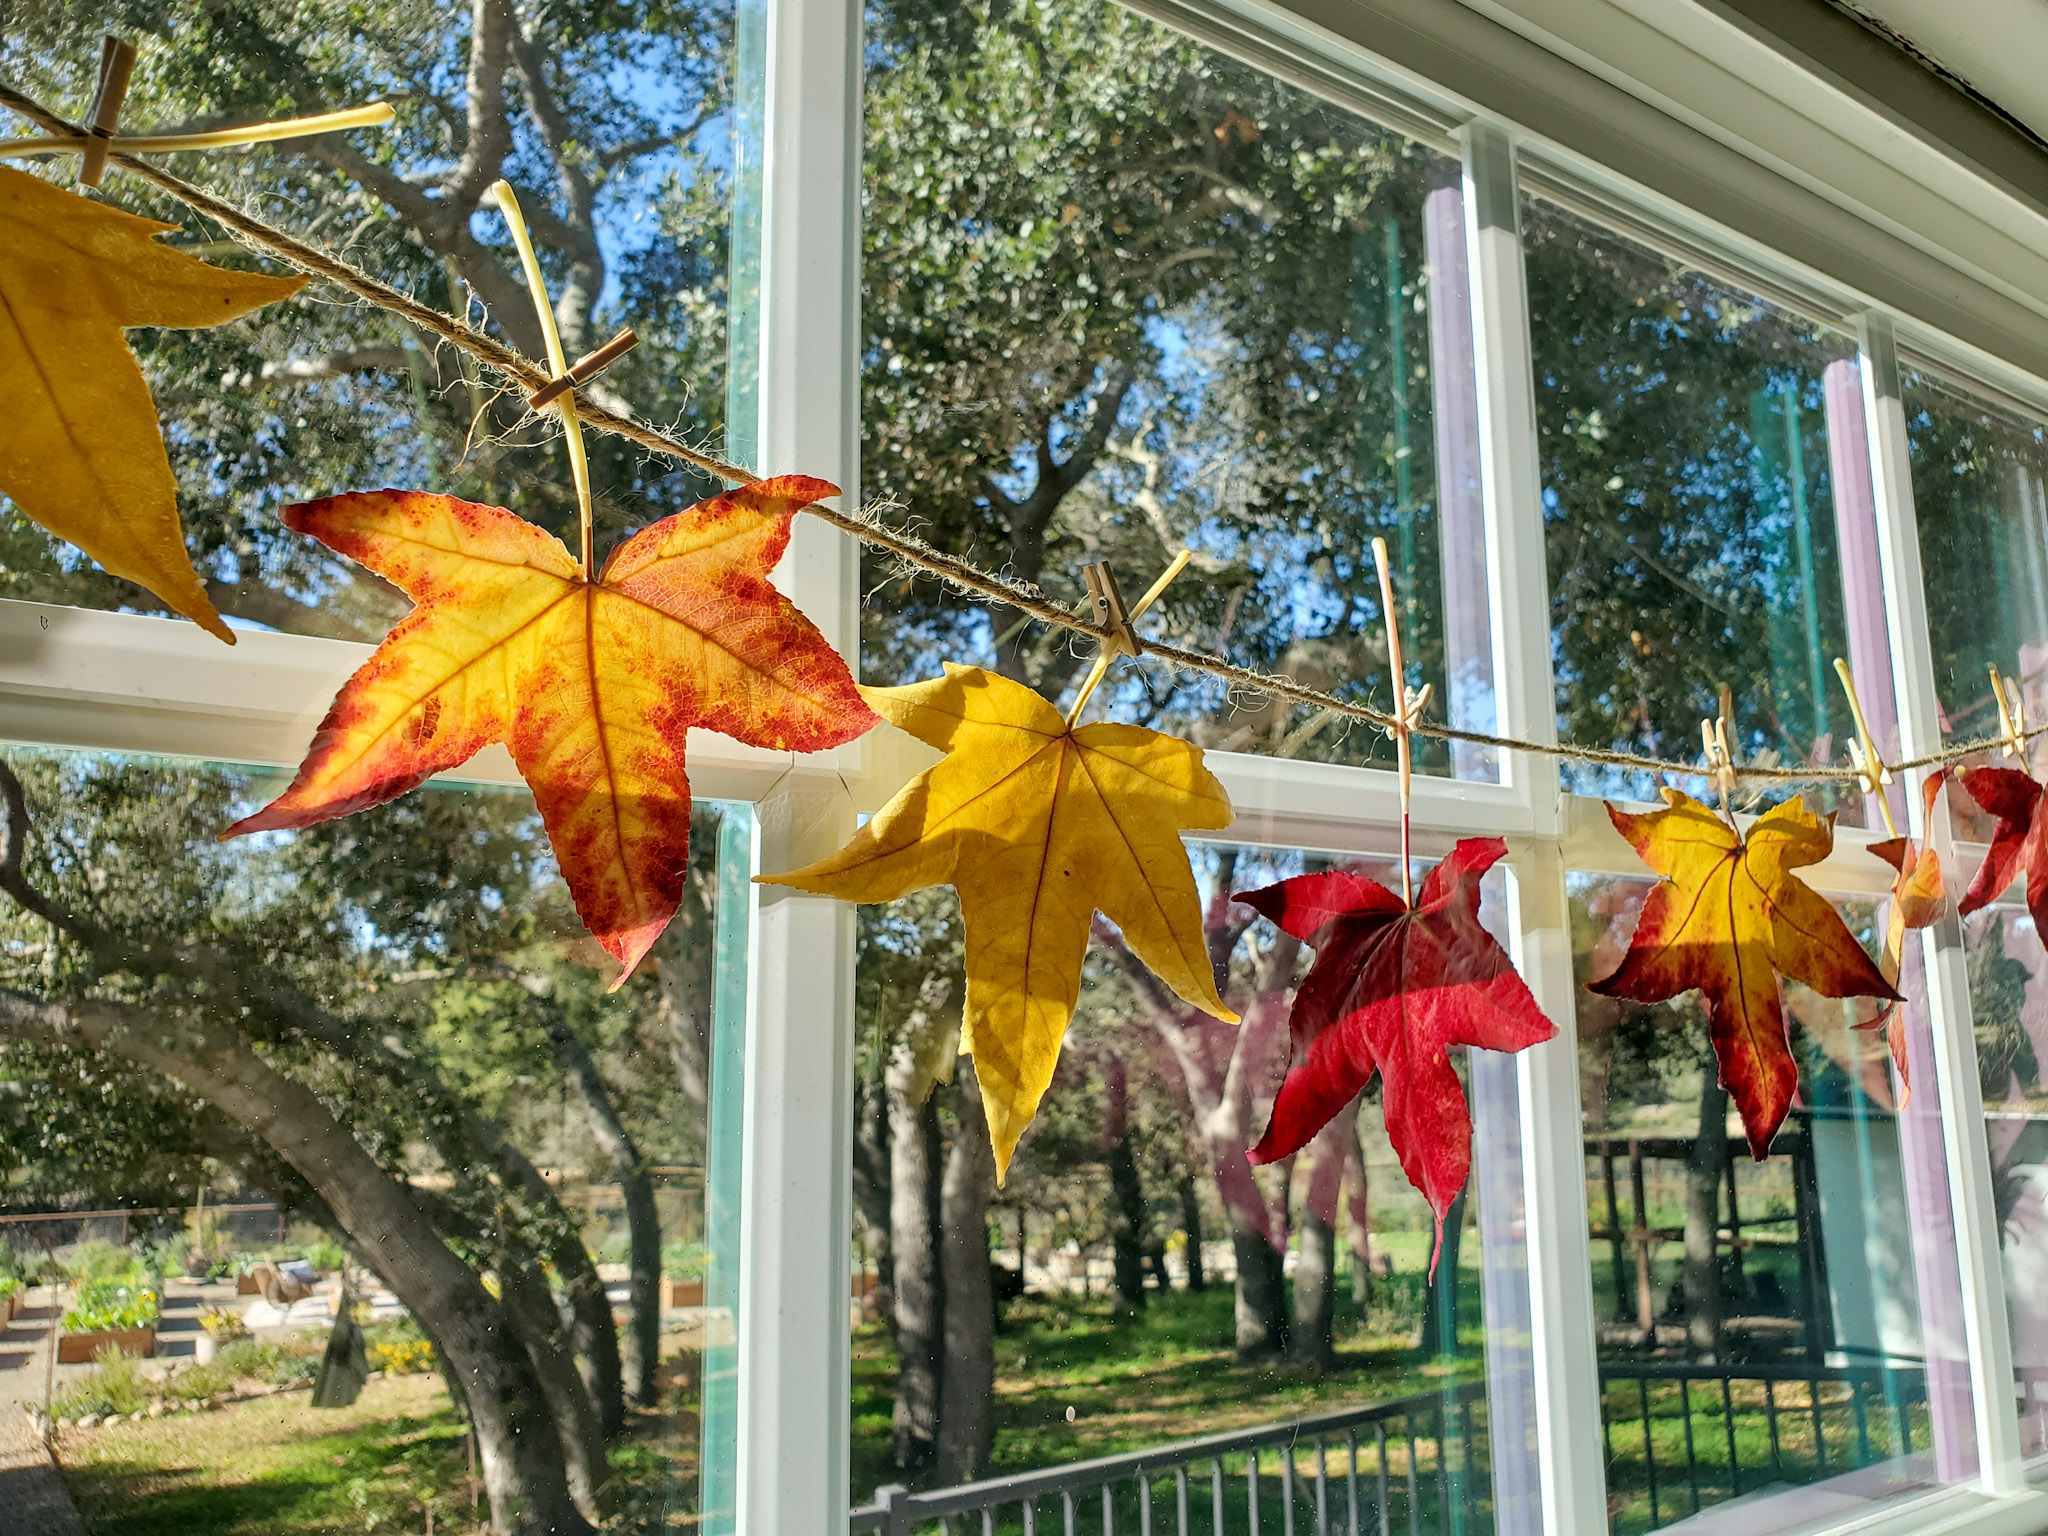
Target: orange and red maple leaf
pixel 1392 990
pixel 1728 918
pixel 592 685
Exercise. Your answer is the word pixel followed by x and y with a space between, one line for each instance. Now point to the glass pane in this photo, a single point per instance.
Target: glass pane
pixel 1696 444
pixel 1147 1286
pixel 1769 1331
pixel 2008 991
pixel 360 1091
pixel 627 190
pixel 1982 503
pixel 1124 295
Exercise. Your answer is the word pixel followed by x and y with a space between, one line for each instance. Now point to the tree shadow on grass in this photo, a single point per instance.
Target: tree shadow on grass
pixel 323 1482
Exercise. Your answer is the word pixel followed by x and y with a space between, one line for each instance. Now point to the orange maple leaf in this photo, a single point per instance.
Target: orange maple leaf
pixel 1918 897
pixel 593 686
pixel 1728 917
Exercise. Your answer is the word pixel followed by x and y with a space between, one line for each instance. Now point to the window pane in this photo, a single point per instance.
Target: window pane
pixel 1699 533
pixel 2008 975
pixel 317 395
pixel 1982 505
pixel 1123 295
pixel 370 1069
pixel 1151 1287
pixel 1768 1330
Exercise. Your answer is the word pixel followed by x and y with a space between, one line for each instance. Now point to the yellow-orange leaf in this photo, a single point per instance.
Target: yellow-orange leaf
pixel 1038 826
pixel 1728 918
pixel 592 685
pixel 82 453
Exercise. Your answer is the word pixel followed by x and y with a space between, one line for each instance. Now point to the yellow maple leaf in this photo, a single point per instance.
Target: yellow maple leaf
pixel 1038 826
pixel 83 454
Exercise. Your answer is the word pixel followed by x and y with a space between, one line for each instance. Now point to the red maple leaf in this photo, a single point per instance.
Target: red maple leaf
pixel 2018 845
pixel 1392 990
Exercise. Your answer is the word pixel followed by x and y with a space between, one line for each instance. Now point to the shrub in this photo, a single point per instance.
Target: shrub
pixel 223 1324
pixel 326 1255
pixel 279 1363
pixel 197 1383
pixel 105 1304
pixel 685 1261
pixel 115 1385
pixel 9 1284
pixel 402 1357
pixel 98 1260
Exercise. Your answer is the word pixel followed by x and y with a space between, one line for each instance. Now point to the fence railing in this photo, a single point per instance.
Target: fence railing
pixel 1689 1434
pixel 1414 1465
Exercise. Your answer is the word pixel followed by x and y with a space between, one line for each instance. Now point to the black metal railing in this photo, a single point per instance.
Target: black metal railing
pixel 1414 1465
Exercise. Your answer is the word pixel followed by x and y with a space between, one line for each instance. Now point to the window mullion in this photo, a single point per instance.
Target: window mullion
pixel 1564 1367
pixel 794 1341
pixel 1946 973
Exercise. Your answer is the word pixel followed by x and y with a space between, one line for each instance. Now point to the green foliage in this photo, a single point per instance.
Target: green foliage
pixel 115 1385
pixel 112 1304
pixel 98 1260
pixel 223 1324
pixel 327 1256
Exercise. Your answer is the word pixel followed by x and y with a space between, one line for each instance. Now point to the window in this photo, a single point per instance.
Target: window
pixel 629 120
pixel 409 991
pixel 1764 1326
pixel 1145 1280
pixel 1192 307
pixel 1695 544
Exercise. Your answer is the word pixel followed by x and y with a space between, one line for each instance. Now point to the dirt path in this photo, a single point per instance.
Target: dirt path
pixel 32 1492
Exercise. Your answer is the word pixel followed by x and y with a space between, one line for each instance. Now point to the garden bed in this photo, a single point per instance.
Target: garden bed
pixel 84 1348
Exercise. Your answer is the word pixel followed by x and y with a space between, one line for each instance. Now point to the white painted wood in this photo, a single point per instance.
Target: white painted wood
pixel 794 1358
pixel 1946 974
pixel 1564 1362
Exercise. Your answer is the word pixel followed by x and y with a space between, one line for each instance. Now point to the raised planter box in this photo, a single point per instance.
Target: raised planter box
pixel 246 1285
pixel 10 1307
pixel 79 1348
pixel 686 1293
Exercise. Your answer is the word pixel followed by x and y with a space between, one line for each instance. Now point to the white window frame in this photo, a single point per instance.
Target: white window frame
pixel 1835 209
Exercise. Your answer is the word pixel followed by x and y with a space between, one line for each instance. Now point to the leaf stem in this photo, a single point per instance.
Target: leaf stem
pixel 1402 716
pixel 375 115
pixel 564 404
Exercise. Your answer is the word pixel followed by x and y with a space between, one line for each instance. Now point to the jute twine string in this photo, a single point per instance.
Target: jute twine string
pixel 962 575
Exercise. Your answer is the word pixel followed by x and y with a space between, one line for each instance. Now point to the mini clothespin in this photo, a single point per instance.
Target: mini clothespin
pixel 1409 704
pixel 2012 714
pixel 1720 765
pixel 1870 767
pixel 117 65
pixel 584 369
pixel 1106 604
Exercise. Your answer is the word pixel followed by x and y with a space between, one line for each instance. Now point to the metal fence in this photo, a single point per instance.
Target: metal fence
pixel 1681 1436
pixel 1414 1465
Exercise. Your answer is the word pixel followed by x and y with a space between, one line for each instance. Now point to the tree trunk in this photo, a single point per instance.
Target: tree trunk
pixel 872 1180
pixel 916 1283
pixel 1703 1175
pixel 641 1352
pixel 1439 1332
pixel 1191 1226
pixel 968 1362
pixel 523 1468
pixel 532 1310
pixel 1127 1233
pixel 1261 1292
pixel 1310 1343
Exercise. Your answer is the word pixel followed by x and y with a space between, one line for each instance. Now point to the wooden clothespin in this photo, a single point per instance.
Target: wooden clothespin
pixel 117 65
pixel 1106 605
pixel 1720 765
pixel 584 369
pixel 1870 767
pixel 1409 704
pixel 2012 714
